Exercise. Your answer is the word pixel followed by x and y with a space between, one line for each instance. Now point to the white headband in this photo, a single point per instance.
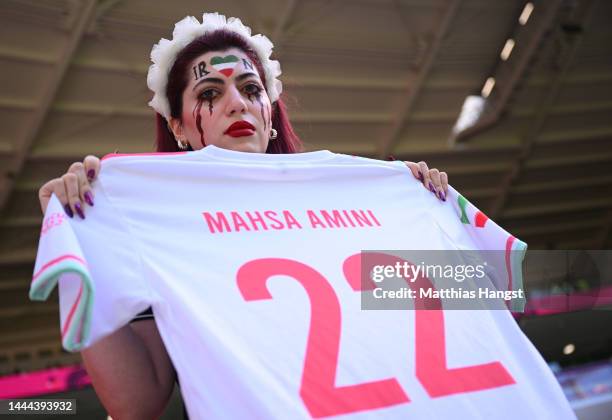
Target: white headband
pixel 163 55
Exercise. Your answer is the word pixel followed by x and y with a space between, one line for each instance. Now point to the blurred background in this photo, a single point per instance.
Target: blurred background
pixel 513 99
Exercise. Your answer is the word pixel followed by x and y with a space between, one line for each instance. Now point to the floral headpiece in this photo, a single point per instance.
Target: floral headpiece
pixel 164 53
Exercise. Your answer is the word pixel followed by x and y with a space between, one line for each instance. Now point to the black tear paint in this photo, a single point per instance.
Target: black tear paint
pixel 198 117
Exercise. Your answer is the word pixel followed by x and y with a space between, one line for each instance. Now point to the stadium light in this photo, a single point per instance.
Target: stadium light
pixel 507 50
pixel 524 17
pixel 472 109
pixel 488 87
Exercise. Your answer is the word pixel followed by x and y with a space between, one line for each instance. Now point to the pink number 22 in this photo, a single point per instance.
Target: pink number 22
pixel 318 390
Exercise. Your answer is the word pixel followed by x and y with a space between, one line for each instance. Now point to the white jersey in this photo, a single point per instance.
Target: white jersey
pixel 250 263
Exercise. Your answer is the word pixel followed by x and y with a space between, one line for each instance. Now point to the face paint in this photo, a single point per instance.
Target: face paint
pixel 198 117
pixel 199 70
pixel 225 65
pixel 229 81
pixel 247 65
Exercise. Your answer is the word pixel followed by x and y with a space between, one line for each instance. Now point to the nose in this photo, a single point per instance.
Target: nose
pixel 236 102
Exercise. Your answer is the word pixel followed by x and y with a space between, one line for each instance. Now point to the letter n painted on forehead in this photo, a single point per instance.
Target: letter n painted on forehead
pixel 247 64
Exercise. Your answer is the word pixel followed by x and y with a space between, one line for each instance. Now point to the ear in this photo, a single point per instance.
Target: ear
pixel 176 126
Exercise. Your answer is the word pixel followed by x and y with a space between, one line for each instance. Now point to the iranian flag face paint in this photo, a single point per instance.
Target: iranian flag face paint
pixel 225 103
pixel 225 65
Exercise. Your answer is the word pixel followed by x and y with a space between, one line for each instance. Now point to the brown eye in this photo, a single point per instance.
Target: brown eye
pixel 209 94
pixel 252 89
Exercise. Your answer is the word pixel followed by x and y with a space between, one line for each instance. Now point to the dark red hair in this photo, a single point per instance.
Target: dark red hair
pixel 220 40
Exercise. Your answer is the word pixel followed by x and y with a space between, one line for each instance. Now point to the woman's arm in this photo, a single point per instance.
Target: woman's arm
pixel 131 371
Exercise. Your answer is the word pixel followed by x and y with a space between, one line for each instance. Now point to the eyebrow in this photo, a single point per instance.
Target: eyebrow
pixel 245 76
pixel 218 81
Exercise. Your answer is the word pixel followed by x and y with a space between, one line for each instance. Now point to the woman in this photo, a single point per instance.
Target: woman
pixel 213 84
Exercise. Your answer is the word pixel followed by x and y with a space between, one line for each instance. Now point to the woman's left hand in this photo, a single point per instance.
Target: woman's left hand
pixel 432 179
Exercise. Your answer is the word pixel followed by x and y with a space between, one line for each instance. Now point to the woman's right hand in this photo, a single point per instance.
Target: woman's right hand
pixel 73 189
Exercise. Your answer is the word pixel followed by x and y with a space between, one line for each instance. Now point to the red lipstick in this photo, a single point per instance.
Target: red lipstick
pixel 240 129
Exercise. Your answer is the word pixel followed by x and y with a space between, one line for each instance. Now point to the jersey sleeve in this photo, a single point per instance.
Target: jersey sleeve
pixel 97 269
pixel 470 229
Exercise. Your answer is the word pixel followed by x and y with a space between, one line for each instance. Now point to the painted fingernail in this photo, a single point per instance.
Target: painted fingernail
pixel 442 196
pixel 420 176
pixel 431 187
pixel 391 157
pixel 88 198
pixel 91 174
pixel 79 210
pixel 68 211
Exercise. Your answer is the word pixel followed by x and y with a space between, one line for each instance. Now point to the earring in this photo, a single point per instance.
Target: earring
pixel 182 145
pixel 273 134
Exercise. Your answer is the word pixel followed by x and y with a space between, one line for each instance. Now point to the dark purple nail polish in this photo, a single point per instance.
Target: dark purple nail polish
pixel 88 198
pixel 68 211
pixel 420 176
pixel 431 187
pixel 79 210
pixel 391 157
pixel 442 196
pixel 90 174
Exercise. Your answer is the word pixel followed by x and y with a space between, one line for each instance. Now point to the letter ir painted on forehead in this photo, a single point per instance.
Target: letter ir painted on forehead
pixel 199 70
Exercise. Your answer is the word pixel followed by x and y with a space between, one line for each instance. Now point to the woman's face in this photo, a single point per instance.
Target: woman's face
pixel 225 104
